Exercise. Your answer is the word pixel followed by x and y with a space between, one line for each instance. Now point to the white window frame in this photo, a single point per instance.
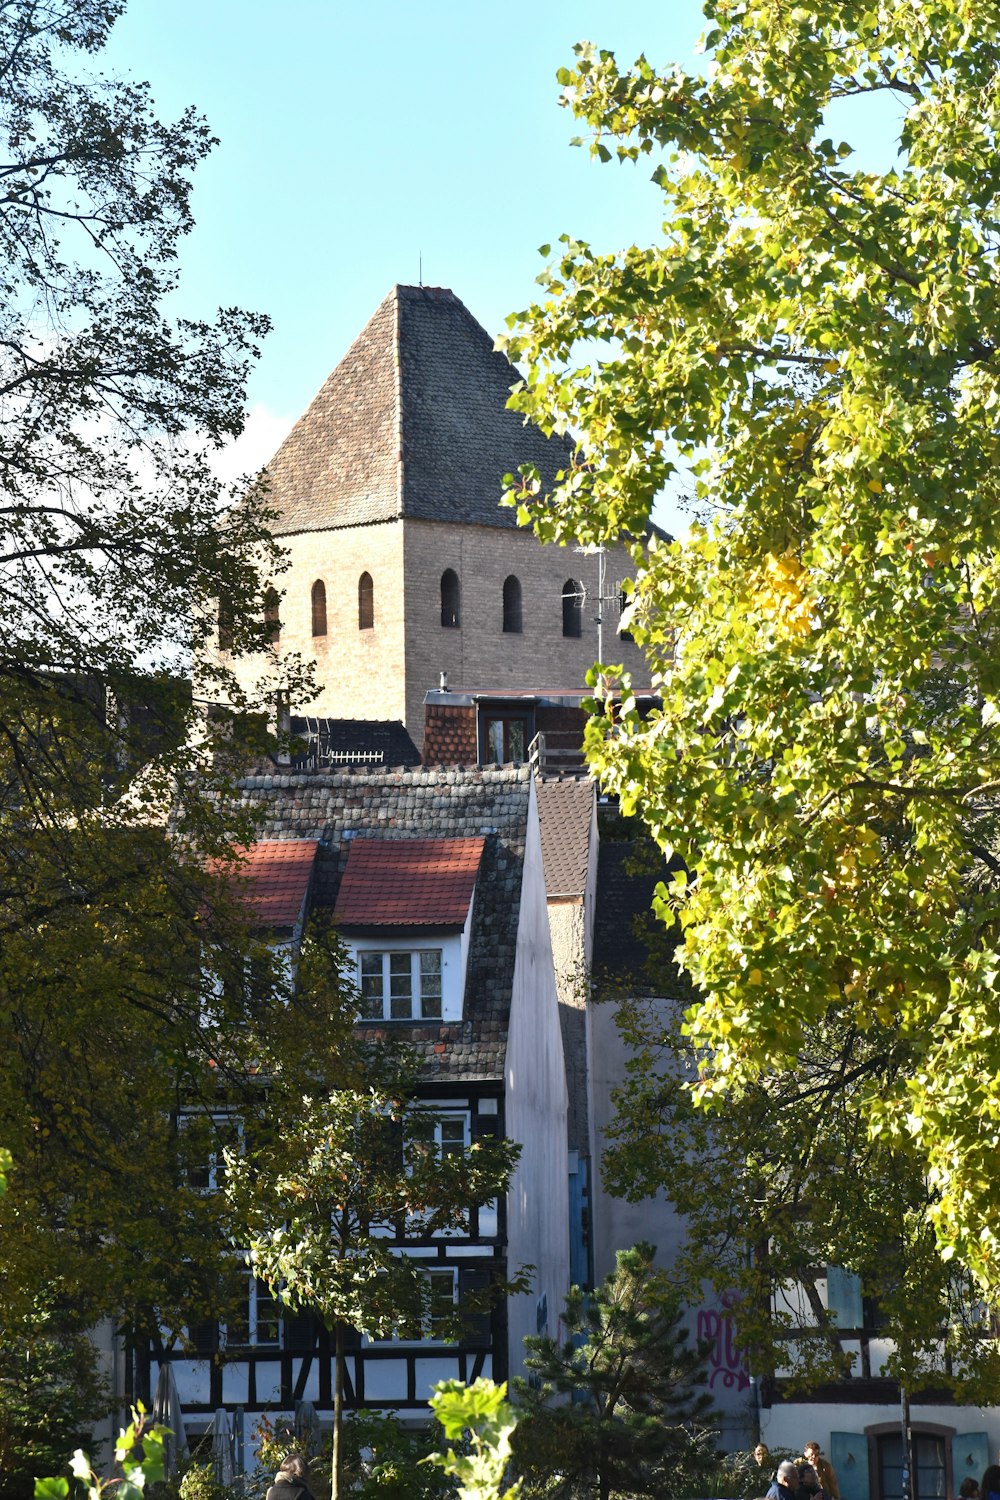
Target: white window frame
pixel 431 1273
pixel 215 1167
pixel 450 1117
pixel 391 956
pixel 257 1291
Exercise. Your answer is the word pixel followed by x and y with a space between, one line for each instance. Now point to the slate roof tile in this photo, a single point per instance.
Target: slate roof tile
pixel 411 423
pixel 565 811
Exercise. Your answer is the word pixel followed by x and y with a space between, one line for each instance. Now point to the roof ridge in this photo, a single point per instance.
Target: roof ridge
pixel 398 387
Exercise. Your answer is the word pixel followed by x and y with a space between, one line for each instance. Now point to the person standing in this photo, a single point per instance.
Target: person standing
pixel 786 1483
pixel 290 1482
pixel 825 1471
pixel 990 1487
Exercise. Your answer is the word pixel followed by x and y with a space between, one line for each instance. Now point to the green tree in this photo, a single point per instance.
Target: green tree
pixel 815 337
pixel 50 1396
pixel 138 1451
pixel 116 542
pixel 332 1194
pixel 622 1406
pixel 779 1184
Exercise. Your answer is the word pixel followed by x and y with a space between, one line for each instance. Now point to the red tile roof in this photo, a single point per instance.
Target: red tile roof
pixel 409 882
pixel 272 877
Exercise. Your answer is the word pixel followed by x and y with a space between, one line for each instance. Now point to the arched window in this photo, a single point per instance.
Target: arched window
pixel 572 605
pixel 319 607
pixel 366 602
pixel 272 622
pixel 451 599
pixel 512 605
pixel 225 623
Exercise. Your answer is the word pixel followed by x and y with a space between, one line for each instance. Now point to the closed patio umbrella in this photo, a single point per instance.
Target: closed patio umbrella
pixel 222 1447
pixel 306 1427
pixel 167 1412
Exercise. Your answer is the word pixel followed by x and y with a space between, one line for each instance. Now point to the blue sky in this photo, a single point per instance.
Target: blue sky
pixel 355 139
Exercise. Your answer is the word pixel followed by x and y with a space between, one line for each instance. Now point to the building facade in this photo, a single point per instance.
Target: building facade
pixel 403 565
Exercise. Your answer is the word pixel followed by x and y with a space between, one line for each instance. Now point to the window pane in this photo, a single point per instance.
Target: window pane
pixel 372 993
pixel 430 971
pixel 268 1315
pixel 401 986
pixel 929 1467
pixel 515 729
pixel 442 1301
pixel 430 984
pixel 494 733
pixel 890 1464
pixel 452 1128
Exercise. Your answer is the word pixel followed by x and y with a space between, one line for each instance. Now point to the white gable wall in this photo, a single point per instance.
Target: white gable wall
pixel 536 1105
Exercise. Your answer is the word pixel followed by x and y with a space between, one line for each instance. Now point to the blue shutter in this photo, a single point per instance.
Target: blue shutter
pixel 849 1456
pixel 843 1297
pixel 579 1259
pixel 970 1457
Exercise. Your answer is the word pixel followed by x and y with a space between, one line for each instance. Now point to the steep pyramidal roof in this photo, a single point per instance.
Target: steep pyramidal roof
pixel 411 423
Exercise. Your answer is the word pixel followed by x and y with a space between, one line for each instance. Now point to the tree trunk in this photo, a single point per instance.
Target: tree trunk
pixel 338 1410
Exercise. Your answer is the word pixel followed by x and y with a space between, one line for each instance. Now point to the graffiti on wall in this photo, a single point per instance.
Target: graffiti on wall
pixel 717 1326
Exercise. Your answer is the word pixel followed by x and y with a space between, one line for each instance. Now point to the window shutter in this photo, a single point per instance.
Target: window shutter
pixel 970 1457
pixel 205 1337
pixel 299 1331
pixel 849 1456
pixel 476 1320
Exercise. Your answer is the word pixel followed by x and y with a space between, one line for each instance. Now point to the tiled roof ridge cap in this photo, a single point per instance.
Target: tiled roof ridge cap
pixel 428 774
pixel 443 294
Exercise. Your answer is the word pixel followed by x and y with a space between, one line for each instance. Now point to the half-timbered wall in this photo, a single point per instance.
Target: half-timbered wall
pixel 274 1359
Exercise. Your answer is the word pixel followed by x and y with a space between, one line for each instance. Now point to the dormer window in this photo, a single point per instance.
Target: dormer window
pixel 401 985
pixel 405 912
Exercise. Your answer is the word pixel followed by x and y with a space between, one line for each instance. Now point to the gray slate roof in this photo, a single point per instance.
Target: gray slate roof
pixel 565 808
pixel 377 741
pixel 423 803
pixel 411 423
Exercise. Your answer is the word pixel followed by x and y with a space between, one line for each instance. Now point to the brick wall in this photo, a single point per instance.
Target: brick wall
pixel 385 672
pixel 478 655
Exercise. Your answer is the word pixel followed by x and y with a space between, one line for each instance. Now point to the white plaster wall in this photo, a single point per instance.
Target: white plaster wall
pixel 794 1423
pixel 617 1223
pixel 110 1363
pixel 538 1199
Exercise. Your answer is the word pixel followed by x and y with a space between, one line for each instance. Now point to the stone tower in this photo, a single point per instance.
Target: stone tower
pixel 403 563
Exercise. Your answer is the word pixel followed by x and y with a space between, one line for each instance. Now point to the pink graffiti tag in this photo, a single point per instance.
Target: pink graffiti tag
pixel 717 1327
